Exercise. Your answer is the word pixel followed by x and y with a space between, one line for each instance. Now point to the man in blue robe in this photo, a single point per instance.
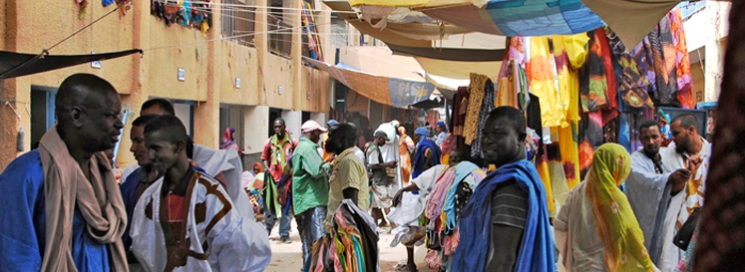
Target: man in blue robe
pixel 427 152
pixel 505 225
pixel 63 210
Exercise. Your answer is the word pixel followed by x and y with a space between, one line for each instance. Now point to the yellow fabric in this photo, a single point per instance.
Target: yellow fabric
pixel 508 88
pixel 569 148
pixel 470 131
pixel 575 47
pixel 620 232
pixel 545 174
pixel 541 71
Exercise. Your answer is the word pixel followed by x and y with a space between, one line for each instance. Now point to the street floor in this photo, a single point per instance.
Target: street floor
pixel 288 257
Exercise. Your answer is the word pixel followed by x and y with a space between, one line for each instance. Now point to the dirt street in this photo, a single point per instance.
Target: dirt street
pixel 288 257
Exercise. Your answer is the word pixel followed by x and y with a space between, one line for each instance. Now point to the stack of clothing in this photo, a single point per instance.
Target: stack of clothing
pixel 452 191
pixel 350 246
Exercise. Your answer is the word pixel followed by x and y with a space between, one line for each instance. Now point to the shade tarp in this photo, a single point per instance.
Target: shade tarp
pixel 17 64
pixel 631 20
pixel 459 69
pixel 452 54
pixel 394 92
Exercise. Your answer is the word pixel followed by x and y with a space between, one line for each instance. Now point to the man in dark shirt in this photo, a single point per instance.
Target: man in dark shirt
pixel 510 202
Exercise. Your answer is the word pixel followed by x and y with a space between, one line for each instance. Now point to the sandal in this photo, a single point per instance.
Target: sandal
pixel 405 268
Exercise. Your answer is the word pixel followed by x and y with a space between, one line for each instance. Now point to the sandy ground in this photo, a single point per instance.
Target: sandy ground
pixel 288 257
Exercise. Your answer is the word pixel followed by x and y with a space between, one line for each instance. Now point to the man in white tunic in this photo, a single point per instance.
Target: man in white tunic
pixel 688 151
pixel 186 221
pixel 649 188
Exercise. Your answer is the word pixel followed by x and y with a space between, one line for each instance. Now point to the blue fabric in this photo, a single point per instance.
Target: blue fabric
pixel 441 124
pixel 332 123
pixel 23 222
pixel 419 158
pixel 536 249
pixel 542 17
pixel 462 170
pixel 129 197
pixel 421 131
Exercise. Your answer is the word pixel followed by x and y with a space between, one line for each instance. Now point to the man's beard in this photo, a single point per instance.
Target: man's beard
pixel 651 154
pixel 683 147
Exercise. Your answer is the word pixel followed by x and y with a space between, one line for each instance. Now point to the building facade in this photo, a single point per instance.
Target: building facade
pixel 242 72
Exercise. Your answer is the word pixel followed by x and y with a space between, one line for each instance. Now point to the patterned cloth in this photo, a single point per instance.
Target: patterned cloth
pixel 477 87
pixel 685 80
pixel 664 54
pixel 487 105
pixel 598 199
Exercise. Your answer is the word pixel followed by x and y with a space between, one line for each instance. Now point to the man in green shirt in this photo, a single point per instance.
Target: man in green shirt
pixel 310 186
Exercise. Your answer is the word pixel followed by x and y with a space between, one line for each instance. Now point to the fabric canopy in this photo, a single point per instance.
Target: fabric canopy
pixel 16 64
pixel 473 55
pixel 631 20
pixel 459 69
pixel 394 92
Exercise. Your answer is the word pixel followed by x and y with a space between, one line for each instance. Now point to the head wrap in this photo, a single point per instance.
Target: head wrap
pixel 442 125
pixel 422 131
pixel 616 223
pixel 332 123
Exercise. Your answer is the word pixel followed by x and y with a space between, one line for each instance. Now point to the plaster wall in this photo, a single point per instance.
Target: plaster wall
pixel 210 65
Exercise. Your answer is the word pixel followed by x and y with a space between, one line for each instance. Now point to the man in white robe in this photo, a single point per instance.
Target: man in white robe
pixel 649 187
pixel 186 221
pixel 688 151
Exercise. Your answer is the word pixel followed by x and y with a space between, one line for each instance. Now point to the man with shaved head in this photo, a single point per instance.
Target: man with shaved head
pixel 63 207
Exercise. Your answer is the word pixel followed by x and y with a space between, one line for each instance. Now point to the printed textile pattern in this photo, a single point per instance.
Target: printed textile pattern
pixel 633 85
pixel 685 80
pixel 471 127
pixel 665 68
pixel 487 106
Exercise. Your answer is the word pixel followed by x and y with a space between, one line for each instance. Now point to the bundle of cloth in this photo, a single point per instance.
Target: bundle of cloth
pixel 451 191
pixel 351 245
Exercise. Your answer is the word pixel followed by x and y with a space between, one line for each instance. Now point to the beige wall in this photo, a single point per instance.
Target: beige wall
pixel 211 66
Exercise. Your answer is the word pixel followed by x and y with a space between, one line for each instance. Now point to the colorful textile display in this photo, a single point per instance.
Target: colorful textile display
pixel 475 100
pixel 541 70
pixel 664 62
pixel 487 105
pixel 351 246
pixel 683 62
pixel 632 83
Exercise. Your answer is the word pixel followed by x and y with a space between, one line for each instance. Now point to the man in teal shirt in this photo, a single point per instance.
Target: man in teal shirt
pixel 310 186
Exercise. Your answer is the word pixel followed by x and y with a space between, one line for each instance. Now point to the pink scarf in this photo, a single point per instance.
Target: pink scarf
pixel 437 198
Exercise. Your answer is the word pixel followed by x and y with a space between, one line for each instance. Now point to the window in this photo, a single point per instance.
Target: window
pixel 279 22
pixel 238 21
pixel 309 37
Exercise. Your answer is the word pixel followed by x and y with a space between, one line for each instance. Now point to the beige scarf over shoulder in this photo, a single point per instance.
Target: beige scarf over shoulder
pixel 99 200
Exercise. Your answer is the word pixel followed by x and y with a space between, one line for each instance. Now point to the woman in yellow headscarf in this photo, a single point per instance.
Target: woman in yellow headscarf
pixel 596 230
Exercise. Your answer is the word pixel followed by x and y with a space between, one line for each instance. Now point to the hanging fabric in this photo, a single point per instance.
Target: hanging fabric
pixel 541 74
pixel 476 98
pixel 665 67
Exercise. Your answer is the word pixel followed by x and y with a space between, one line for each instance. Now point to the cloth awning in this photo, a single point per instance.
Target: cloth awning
pixel 399 93
pixel 17 64
pixel 631 20
pixel 473 55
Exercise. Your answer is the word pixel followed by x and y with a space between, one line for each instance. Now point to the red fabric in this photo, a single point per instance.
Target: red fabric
pixel 175 211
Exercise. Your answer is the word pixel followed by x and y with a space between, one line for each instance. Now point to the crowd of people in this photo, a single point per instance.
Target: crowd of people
pixel 188 207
